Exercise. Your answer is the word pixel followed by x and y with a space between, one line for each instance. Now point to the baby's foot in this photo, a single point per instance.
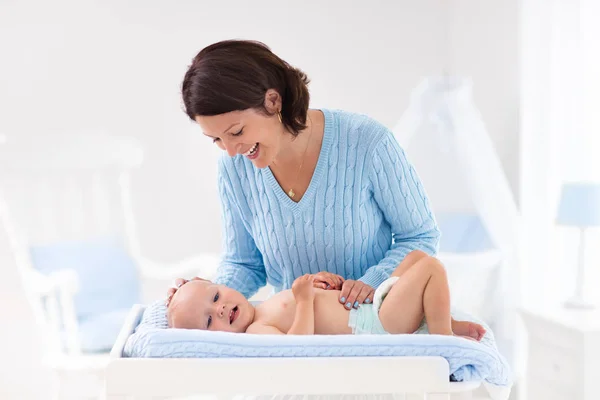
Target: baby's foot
pixel 466 337
pixel 468 329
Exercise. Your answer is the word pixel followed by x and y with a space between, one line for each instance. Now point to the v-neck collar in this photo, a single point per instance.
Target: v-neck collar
pixel 283 197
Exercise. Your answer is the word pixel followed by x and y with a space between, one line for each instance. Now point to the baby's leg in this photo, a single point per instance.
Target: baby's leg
pixel 411 259
pixel 421 290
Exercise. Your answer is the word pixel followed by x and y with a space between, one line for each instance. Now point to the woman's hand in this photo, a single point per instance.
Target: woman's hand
pixel 355 293
pixel 178 282
pixel 327 280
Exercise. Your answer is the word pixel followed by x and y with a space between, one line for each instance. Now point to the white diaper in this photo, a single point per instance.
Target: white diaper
pixel 382 291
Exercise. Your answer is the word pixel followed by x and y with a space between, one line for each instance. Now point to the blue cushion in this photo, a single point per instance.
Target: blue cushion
pixel 108 277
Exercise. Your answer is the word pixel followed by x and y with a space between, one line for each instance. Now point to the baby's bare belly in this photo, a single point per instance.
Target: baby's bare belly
pixel 331 318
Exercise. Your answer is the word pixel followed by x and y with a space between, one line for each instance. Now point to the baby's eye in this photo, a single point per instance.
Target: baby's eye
pixel 216 297
pixel 208 323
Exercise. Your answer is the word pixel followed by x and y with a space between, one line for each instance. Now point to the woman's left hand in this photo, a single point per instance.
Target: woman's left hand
pixel 355 293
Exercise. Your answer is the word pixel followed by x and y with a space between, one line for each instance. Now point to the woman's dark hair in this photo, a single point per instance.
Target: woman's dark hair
pixel 234 75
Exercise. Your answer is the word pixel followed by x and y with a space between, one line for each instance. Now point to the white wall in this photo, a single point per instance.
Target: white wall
pixel 118 66
pixel 75 65
pixel 479 40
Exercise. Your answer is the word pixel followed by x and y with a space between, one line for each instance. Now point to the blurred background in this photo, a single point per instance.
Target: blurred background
pixel 108 73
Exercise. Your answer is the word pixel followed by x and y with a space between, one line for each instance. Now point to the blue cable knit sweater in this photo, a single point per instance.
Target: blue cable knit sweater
pixel 364 210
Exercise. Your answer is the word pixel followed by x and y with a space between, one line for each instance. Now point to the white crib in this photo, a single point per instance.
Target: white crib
pixel 406 378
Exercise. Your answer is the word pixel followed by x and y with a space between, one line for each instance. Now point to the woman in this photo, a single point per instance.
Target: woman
pixel 303 191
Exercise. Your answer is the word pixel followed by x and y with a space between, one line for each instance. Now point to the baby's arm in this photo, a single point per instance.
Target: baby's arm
pixel 304 320
pixel 304 323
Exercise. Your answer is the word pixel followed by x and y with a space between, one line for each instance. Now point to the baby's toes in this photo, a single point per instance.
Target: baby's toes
pixel 472 330
pixel 480 330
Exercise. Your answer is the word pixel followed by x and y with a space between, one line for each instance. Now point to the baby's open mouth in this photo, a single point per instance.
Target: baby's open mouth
pixel 233 314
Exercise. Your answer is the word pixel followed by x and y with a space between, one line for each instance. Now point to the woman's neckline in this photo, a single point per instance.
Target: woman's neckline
pixel 318 172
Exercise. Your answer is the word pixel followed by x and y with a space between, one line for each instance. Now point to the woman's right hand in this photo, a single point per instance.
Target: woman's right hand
pixel 328 280
pixel 178 282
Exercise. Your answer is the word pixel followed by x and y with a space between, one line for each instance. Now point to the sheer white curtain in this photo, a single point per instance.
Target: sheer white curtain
pixel 560 133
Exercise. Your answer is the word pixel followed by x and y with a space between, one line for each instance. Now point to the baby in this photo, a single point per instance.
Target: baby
pixel 415 299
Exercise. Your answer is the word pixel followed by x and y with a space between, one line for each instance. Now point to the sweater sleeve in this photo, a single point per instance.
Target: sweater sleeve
pixel 241 266
pixel 398 192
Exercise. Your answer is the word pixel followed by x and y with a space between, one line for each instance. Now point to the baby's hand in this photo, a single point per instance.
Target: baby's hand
pixel 303 288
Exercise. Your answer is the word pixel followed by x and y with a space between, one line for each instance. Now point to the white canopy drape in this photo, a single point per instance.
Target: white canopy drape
pixel 445 105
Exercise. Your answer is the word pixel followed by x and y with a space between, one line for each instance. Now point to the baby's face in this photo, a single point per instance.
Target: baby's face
pixel 200 304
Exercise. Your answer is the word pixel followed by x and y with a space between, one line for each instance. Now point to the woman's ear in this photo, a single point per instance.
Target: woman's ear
pixel 272 101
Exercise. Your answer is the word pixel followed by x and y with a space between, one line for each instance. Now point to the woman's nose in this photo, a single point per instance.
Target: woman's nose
pixel 231 151
pixel 231 148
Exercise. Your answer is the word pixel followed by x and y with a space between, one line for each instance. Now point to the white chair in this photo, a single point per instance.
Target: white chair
pixel 66 199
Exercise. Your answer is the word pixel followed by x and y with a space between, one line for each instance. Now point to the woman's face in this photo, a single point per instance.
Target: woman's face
pixel 248 132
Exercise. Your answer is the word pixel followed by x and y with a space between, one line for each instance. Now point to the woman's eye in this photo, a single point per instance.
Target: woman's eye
pixel 208 323
pixel 215 140
pixel 216 297
pixel 238 133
